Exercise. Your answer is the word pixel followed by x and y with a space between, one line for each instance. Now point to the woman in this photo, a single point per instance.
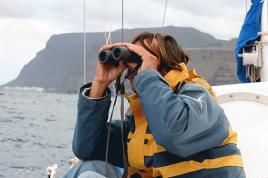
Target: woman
pixel 176 128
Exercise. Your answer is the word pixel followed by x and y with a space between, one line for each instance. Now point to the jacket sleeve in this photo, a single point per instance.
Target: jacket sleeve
pixel 184 123
pixel 90 134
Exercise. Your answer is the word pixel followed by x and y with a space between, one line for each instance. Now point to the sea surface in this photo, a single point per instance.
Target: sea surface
pixel 36 131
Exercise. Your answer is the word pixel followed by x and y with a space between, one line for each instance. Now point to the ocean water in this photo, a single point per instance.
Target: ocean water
pixel 36 131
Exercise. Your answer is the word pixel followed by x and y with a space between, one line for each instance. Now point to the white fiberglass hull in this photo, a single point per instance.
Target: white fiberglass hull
pixel 264 39
pixel 246 106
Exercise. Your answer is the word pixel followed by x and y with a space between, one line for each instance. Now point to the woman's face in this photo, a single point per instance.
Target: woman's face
pixel 131 65
pixel 132 71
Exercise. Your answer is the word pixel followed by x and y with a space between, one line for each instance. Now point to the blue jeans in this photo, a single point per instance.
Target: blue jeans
pixel 93 169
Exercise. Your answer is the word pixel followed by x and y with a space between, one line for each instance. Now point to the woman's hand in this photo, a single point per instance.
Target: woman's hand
pixel 105 74
pixel 149 61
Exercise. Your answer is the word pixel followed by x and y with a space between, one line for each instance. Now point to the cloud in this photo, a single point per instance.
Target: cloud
pixel 106 14
pixel 224 24
pixel 220 18
pixel 27 25
pixel 32 9
pixel 20 41
pixel 17 9
pixel 209 8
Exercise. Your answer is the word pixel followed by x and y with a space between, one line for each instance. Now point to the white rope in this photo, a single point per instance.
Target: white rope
pixel 84 51
pixel 246 6
pixel 122 21
pixel 106 34
pixel 164 15
pixel 105 31
pixel 108 38
pixel 253 72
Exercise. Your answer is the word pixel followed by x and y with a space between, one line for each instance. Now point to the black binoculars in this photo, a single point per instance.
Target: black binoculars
pixel 118 53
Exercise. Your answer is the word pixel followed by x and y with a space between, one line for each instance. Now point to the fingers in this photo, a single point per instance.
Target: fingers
pixel 121 66
pixel 151 60
pixel 137 49
pixel 109 46
pixel 132 47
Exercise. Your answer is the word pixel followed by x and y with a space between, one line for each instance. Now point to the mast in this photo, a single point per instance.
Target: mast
pixel 264 41
pixel 84 41
pixel 122 21
pixel 164 16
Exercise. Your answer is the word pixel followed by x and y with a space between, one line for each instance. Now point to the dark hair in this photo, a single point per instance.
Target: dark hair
pixel 165 48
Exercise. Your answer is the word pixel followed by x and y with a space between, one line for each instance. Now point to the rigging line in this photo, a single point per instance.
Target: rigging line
pixel 122 92
pixel 122 21
pixel 108 38
pixel 105 31
pixel 246 5
pixel 164 16
pixel 84 40
pixel 108 137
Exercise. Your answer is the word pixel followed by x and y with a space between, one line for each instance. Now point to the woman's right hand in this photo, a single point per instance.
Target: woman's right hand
pixel 105 74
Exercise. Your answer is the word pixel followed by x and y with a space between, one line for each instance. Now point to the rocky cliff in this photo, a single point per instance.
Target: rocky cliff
pixel 59 67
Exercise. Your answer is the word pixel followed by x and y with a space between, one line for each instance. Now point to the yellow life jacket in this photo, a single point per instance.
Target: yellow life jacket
pixel 141 144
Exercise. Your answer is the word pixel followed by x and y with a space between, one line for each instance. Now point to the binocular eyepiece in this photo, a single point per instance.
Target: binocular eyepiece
pixel 118 53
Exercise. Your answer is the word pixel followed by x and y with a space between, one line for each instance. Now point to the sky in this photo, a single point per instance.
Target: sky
pixel 27 25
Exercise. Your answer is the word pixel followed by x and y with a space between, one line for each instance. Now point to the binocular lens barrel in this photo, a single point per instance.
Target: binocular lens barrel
pixel 118 53
pixel 106 57
pixel 103 56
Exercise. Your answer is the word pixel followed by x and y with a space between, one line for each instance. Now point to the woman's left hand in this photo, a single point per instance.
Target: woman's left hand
pixel 149 61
